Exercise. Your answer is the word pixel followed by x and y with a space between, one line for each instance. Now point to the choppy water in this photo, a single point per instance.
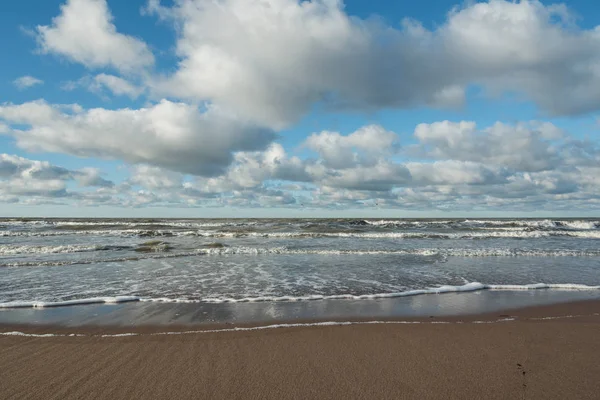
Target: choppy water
pixel 47 262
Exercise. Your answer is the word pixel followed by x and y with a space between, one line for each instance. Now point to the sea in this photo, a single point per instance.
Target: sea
pixel 305 264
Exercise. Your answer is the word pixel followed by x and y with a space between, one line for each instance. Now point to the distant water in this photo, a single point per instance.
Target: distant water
pixel 51 262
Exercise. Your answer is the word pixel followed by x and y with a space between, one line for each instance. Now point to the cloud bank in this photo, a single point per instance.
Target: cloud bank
pixel 246 70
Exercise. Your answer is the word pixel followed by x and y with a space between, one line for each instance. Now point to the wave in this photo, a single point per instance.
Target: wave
pixel 64 303
pixel 400 235
pixel 539 224
pixel 57 263
pixel 243 250
pixel 455 252
pixel 304 228
pixel 469 287
pixel 26 249
pixel 519 234
pixel 136 224
pixel 490 223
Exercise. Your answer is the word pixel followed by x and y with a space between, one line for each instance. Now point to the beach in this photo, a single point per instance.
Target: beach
pixel 547 352
pixel 299 199
pixel 299 308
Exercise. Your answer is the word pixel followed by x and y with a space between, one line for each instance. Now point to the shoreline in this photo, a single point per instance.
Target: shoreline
pixel 547 352
pixel 576 310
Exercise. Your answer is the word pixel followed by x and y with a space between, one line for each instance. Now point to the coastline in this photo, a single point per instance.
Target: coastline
pixel 151 318
pixel 445 305
pixel 546 352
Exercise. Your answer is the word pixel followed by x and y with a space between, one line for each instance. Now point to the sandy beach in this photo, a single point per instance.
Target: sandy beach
pixel 547 352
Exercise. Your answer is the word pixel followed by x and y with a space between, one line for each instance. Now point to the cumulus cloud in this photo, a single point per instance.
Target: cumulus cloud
pixel 365 145
pixel 176 136
pixel 248 68
pixel 540 52
pixel 453 172
pixel 91 177
pixel 84 32
pixel 382 176
pixel 118 86
pixel 20 176
pixel 271 60
pixel 26 82
pixel 523 147
pixel 524 166
pixel 11 165
pixel 250 170
pixel 103 83
pixel 455 178
pixel 155 178
pixel 358 161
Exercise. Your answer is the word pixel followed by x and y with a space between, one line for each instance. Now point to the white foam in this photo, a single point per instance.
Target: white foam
pixel 280 326
pixel 478 223
pixel 27 249
pixel 456 252
pixel 160 252
pixel 488 234
pixel 581 229
pixel 38 335
pixel 469 287
pixel 153 255
pixel 564 317
pixel 49 304
pixel 580 224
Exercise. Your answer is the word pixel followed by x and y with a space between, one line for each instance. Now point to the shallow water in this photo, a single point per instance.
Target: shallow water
pixel 45 262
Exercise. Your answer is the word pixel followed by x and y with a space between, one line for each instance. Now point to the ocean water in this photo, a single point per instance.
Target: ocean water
pixel 67 262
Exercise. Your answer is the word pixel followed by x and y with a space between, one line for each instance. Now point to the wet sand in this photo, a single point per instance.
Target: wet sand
pixel 136 314
pixel 547 352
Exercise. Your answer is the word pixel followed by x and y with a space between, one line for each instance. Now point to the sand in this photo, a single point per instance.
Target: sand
pixel 526 358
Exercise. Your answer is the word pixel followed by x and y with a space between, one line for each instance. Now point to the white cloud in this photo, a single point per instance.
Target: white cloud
pixel 271 60
pixel 20 176
pixel 365 145
pixel 26 82
pixel 34 187
pixel 175 136
pixel 249 67
pixel 525 166
pixel 12 166
pixel 453 172
pixel 540 52
pixel 155 178
pixel 84 32
pixel 523 147
pixel 118 86
pixel 102 83
pixel 382 176
pixel 91 177
pixel 251 169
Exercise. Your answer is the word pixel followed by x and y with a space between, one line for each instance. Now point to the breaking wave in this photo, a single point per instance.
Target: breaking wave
pixel 457 252
pixel 469 287
pixel 370 228
pixel 161 251
pixel 27 249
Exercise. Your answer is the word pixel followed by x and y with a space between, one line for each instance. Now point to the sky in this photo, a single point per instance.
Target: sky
pixel 286 108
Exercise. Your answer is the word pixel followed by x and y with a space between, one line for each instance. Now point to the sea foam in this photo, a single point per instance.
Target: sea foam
pixel 469 287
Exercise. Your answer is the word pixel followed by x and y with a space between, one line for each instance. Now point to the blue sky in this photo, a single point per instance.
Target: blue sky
pixel 279 108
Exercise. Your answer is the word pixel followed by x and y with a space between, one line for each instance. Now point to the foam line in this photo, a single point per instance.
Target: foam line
pixel 288 325
pixel 49 304
pixel 469 287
